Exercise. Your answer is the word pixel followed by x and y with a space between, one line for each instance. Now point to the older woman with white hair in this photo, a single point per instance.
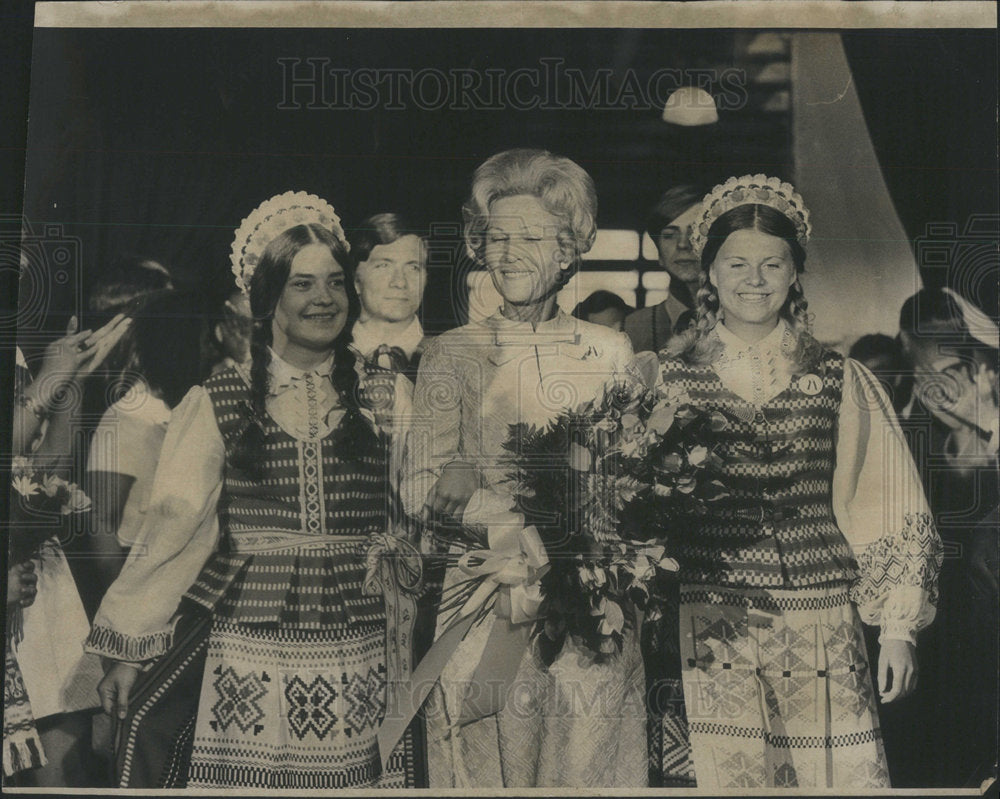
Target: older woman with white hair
pixel 578 720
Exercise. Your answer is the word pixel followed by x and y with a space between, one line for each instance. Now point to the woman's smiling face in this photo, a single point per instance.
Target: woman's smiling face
pixel 313 307
pixel 752 272
pixel 522 250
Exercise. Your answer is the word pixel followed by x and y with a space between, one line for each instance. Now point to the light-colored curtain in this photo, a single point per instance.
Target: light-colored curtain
pixel 860 267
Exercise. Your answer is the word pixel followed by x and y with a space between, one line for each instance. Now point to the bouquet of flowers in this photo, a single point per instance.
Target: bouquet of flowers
pixel 605 484
pixel 40 501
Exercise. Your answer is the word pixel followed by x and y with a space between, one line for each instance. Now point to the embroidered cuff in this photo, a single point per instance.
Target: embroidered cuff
pixel 897 589
pixel 115 645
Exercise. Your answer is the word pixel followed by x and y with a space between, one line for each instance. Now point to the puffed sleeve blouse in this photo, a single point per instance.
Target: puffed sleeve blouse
pixel 180 531
pixel 878 499
pixel 879 503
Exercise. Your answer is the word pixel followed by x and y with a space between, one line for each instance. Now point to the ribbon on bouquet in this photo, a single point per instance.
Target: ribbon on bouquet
pixel 394 568
pixel 510 569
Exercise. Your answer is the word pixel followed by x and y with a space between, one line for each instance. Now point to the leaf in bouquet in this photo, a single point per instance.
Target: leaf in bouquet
pixel 672 462
pixel 629 448
pixel 698 455
pixel 713 490
pixel 661 490
pixel 630 421
pixel 686 484
pixel 717 421
pixel 25 486
pixel 626 488
pixel 668 564
pixel 641 569
pixel 77 501
pixel 606 424
pixel 714 460
pixel 592 578
pixel 653 548
pixel 600 577
pixel 638 594
pixel 686 414
pixel 613 618
pixel 20 466
pixel 661 420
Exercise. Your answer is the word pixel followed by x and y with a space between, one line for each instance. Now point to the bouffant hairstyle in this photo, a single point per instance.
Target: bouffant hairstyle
pixel 562 186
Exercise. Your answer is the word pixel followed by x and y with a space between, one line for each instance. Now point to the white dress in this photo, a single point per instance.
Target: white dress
pixel 128 441
pixel 578 722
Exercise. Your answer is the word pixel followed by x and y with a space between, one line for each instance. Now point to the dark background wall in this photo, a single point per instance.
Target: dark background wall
pixel 159 142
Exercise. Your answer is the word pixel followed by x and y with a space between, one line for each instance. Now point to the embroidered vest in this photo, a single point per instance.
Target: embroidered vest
pixel 311 490
pixel 777 527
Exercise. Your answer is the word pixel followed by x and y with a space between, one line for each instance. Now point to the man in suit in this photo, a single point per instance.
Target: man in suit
pixel 669 225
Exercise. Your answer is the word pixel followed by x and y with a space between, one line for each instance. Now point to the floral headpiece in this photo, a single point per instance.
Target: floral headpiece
pixel 751 189
pixel 272 218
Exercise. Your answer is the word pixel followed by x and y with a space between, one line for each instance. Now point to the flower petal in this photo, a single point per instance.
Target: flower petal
pixel 661 420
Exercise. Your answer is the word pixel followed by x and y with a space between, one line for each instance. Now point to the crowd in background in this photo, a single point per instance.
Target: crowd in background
pixel 151 347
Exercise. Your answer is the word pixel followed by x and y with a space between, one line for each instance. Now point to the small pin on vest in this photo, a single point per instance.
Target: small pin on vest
pixel 810 384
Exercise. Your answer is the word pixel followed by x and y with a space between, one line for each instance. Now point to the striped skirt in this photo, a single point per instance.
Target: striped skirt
pixel 243 706
pixel 778 690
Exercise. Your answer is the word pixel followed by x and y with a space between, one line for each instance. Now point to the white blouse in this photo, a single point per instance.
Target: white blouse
pixel 878 498
pixel 127 441
pixel 180 531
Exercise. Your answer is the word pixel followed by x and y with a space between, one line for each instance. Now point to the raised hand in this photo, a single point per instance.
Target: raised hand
pixel 76 355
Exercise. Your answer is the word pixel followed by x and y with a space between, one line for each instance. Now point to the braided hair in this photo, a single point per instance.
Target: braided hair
pixel 266 287
pixel 697 345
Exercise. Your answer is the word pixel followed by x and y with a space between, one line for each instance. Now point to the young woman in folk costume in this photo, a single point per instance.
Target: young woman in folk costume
pixel 579 720
pixel 826 522
pixel 271 491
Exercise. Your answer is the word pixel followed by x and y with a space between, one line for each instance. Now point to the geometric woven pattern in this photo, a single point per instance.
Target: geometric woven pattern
pixel 675 751
pixel 365 695
pixel 288 709
pixel 331 487
pixel 238 699
pixel 779 699
pixel 777 528
pixel 309 706
pixel 910 556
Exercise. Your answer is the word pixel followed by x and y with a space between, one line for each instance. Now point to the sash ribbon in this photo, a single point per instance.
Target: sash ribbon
pixel 509 572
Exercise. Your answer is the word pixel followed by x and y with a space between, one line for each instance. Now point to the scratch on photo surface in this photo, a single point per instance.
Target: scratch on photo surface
pixel 839 97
